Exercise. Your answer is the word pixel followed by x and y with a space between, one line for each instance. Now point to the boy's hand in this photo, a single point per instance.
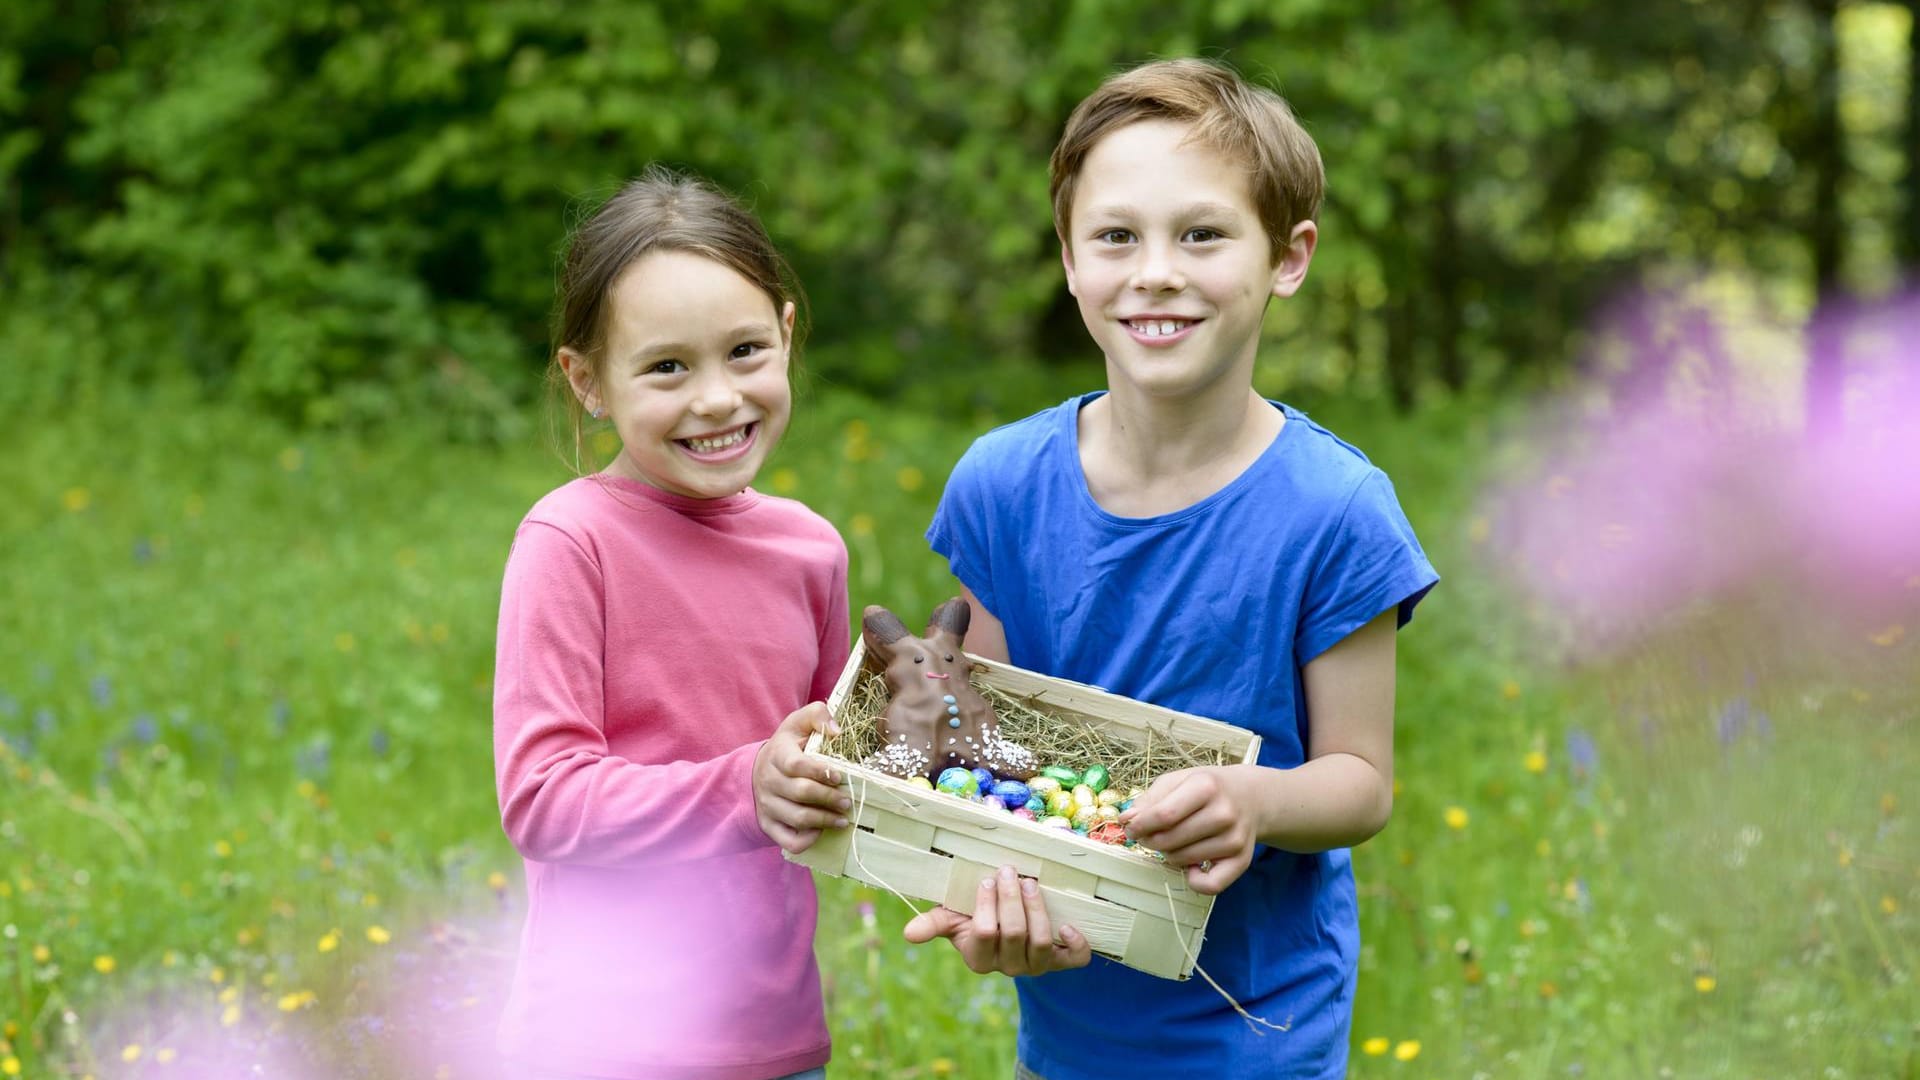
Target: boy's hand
pixel 1203 820
pixel 794 796
pixel 1008 931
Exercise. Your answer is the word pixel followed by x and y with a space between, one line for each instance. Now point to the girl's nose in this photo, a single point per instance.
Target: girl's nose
pixel 716 395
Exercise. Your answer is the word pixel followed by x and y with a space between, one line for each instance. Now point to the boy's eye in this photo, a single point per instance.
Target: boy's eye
pixel 1116 236
pixel 1202 236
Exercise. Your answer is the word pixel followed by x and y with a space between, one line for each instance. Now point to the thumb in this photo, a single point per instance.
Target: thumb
pixel 933 923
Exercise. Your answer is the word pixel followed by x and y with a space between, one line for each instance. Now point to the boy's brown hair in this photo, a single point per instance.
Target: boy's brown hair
pixel 1249 123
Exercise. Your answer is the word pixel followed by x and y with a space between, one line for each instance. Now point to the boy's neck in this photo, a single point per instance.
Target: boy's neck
pixel 1143 456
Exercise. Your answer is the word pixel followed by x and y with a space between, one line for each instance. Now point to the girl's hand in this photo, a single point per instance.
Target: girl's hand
pixel 794 794
pixel 1203 819
pixel 1008 931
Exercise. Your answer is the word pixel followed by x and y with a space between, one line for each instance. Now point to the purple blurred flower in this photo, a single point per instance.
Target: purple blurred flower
pixel 142 551
pixel 1581 755
pixel 144 729
pixel 102 689
pixel 378 742
pixel 313 760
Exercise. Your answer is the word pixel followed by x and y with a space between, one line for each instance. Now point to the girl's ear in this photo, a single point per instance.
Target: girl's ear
pixel 952 617
pixel 579 371
pixel 880 628
pixel 786 326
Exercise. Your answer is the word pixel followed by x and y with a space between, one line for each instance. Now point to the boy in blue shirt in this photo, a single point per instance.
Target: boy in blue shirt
pixel 1180 540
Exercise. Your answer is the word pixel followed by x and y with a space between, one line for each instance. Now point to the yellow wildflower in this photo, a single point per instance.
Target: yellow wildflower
pixel 297 1000
pixel 496 881
pixel 42 954
pixel 329 941
pixel 218 975
pixel 1375 1046
pixel 439 633
pixel 1536 762
pixel 76 499
pixel 230 1015
pixel 230 995
pixel 378 935
pixel 223 848
pixel 164 1055
pixel 1478 530
pixel 1509 689
pixel 1888 905
pixel 784 481
pixel 1889 637
pixel 941 1066
pixel 1845 858
pixel 1887 803
pixel 370 900
pixel 1549 991
pixel 344 641
pixel 1407 1050
pixel 861 525
pixel 1705 983
pixel 103 964
pixel 170 958
pixel 10 1065
pixel 910 478
pixel 130 1053
pixel 1456 818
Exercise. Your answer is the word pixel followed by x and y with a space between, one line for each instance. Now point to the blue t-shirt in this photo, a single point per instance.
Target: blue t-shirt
pixel 1211 610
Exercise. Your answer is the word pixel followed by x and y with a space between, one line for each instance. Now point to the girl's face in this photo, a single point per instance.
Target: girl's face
pixel 695 375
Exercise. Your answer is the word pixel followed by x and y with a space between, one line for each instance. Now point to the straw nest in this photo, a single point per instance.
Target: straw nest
pixel 1056 737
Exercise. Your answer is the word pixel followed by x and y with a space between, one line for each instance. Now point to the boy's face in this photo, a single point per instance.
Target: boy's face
pixel 1167 257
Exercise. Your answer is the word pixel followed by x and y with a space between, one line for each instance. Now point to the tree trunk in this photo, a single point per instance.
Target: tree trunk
pixel 1826 351
pixel 1447 270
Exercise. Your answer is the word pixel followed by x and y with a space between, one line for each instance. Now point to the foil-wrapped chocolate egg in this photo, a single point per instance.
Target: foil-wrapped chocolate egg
pixel 1084 796
pixel 1057 822
pixel 1023 813
pixel 1096 777
pixel 920 782
pixel 982 780
pixel 1043 786
pixel 1036 806
pixel 1111 797
pixel 993 802
pixel 1012 792
pixel 1066 777
pixel 1060 803
pixel 958 781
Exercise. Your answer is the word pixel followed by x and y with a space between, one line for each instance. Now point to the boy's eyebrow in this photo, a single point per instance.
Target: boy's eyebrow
pixel 1191 210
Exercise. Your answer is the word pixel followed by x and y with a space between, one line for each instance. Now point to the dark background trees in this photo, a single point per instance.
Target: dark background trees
pixel 349 212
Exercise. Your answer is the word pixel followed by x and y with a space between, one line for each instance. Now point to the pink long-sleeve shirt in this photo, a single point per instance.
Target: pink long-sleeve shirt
pixel 648 644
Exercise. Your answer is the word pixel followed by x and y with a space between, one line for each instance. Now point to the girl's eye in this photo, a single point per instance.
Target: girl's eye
pixel 745 349
pixel 665 367
pixel 919 659
pixel 949 658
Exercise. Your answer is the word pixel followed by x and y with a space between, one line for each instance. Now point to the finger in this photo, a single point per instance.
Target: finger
pixel 1070 949
pixel 1012 950
pixel 809 792
pixel 934 923
pixel 1170 800
pixel 791 840
pixel 1041 942
pixel 980 945
pixel 796 816
pixel 1211 877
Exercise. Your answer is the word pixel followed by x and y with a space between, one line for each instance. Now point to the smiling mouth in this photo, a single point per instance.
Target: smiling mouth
pixel 721 443
pixel 937 675
pixel 1158 328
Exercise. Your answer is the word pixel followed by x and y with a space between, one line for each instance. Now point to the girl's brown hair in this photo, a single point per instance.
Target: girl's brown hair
pixel 1242 120
pixel 662 210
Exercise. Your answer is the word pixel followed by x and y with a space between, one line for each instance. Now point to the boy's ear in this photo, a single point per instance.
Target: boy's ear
pixel 1291 270
pixel 579 373
pixel 1066 260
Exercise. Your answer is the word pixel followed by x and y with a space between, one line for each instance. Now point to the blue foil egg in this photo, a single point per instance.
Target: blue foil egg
pixel 1012 792
pixel 1036 806
pixel 983 779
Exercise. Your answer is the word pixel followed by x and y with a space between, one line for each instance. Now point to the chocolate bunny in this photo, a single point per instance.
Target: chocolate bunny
pixel 936 720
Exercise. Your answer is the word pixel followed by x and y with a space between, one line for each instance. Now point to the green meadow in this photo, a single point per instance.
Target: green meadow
pixel 247 809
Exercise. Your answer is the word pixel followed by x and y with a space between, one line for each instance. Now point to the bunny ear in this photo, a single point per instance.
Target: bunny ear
pixel 880 628
pixel 953 617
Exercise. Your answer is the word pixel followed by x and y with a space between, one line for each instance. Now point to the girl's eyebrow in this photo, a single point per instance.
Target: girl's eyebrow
pixel 751 328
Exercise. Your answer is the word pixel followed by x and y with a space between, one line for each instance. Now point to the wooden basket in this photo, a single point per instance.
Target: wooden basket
pixel 933 846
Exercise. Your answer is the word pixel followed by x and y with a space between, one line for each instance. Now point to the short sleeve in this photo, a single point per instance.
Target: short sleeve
pixel 1371 562
pixel 960 527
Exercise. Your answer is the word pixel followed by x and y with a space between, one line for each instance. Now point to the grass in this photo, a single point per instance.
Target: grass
pixel 246 801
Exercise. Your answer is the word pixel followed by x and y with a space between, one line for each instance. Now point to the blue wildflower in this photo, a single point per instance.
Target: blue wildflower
pixel 144 728
pixel 1581 755
pixel 142 551
pixel 313 760
pixel 43 720
pixel 379 742
pixel 9 705
pixel 102 688
pixel 278 715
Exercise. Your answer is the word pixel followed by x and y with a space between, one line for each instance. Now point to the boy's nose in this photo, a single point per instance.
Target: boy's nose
pixel 1158 270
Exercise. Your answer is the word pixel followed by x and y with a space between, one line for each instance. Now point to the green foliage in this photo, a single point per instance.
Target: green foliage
pixel 340 211
pixel 244 757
